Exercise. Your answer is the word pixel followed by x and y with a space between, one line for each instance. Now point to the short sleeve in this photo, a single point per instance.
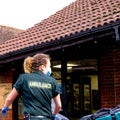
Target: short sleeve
pixel 56 88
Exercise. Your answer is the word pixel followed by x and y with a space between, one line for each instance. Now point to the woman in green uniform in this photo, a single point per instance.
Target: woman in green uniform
pixel 36 89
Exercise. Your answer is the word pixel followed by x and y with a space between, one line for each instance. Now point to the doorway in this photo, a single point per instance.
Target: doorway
pixel 81 95
pixel 82 88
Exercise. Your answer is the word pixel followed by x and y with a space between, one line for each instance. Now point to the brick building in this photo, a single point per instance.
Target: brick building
pixel 83 42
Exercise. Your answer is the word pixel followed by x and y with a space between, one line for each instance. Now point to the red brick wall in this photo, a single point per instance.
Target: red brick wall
pixel 117 75
pixel 6 77
pixel 110 78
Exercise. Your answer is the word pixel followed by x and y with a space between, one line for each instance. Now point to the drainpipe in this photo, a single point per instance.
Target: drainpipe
pixel 117 33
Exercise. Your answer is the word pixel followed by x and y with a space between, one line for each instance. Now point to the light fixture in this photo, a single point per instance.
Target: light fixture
pixel 69 65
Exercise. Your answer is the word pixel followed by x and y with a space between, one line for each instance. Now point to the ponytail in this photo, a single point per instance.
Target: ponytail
pixel 27 65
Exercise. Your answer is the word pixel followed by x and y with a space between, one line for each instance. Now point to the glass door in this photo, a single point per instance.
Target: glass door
pixel 86 95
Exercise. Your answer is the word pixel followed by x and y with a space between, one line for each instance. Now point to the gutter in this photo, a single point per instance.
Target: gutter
pixel 83 36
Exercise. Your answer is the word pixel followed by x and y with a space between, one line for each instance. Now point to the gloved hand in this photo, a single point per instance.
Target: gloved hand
pixel 53 117
pixel 4 110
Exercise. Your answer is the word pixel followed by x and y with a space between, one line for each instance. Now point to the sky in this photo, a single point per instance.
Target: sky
pixel 23 14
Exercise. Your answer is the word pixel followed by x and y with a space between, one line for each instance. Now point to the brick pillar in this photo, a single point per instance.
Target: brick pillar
pixel 107 81
pixel 110 78
pixel 117 75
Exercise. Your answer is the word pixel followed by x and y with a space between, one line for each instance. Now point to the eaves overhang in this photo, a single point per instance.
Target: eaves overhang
pixel 63 42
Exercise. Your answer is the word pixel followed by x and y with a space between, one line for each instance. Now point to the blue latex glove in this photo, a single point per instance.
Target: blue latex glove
pixel 53 117
pixel 4 110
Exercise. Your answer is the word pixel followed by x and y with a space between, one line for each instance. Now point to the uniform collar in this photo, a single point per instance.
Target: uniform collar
pixel 38 72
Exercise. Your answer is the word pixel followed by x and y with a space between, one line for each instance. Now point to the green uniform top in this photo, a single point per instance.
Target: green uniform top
pixel 36 91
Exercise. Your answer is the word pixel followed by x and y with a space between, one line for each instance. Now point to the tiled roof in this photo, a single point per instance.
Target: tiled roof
pixel 7 33
pixel 79 16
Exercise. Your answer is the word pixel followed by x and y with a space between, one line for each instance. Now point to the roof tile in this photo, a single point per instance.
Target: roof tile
pixel 79 16
pixel 7 33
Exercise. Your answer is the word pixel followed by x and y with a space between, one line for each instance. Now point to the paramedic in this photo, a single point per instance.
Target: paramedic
pixel 36 88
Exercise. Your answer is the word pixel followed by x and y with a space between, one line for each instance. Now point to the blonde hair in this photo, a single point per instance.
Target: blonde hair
pixel 32 63
pixel 27 65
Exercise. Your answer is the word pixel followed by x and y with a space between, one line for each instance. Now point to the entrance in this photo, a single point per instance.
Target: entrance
pixel 82 91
